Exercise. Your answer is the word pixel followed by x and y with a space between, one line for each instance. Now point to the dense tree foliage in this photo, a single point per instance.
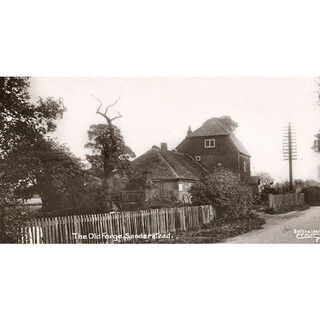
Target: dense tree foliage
pixel 223 189
pixel 109 152
pixel 23 133
pixel 23 129
pixel 51 171
pixel 31 162
pixel 23 123
pixel 228 123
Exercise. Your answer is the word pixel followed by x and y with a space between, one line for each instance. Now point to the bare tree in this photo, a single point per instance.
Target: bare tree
pixel 104 114
pixel 108 119
pixel 110 154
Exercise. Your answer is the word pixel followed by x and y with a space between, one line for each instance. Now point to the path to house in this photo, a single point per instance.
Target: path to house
pixel 281 228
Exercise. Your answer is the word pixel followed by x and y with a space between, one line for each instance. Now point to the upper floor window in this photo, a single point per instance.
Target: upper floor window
pixel 244 166
pixel 209 143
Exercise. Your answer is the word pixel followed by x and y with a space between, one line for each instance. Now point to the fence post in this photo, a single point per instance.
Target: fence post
pixel 60 229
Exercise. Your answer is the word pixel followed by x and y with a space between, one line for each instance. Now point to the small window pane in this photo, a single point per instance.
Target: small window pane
pixel 209 143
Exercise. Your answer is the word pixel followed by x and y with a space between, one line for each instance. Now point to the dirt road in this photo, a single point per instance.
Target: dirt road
pixel 283 228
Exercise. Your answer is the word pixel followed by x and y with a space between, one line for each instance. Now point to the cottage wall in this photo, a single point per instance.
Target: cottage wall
pixel 162 187
pixel 224 152
pixel 180 188
pixel 244 166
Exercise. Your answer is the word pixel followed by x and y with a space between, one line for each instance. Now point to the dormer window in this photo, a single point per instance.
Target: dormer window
pixel 209 143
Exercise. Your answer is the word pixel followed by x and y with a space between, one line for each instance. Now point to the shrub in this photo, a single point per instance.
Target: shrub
pixel 223 190
pixel 284 187
pixel 12 219
pixel 264 187
pixel 163 200
pixel 312 195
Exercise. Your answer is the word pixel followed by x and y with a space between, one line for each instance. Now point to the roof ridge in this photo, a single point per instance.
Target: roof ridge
pixel 211 127
pixel 167 163
pixel 222 126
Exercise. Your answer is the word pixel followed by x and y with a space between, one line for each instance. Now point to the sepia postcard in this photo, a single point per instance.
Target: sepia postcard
pixel 159 160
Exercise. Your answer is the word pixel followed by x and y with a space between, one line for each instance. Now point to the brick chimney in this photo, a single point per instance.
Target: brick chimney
pixel 164 146
pixel 189 131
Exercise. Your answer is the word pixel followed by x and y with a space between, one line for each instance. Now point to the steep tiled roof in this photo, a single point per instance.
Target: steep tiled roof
pixel 168 165
pixel 214 127
pixel 239 145
pixel 211 127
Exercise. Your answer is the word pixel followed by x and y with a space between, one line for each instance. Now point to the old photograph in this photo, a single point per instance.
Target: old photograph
pixel 159 160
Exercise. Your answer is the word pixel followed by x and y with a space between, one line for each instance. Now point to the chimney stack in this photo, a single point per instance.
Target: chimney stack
pixel 164 146
pixel 189 131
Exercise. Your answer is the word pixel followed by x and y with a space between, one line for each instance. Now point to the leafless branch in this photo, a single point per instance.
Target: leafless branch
pixel 117 117
pixel 109 120
pixel 98 101
pixel 111 105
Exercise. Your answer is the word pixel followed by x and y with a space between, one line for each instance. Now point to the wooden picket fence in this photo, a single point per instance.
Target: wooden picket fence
pixel 116 227
pixel 285 201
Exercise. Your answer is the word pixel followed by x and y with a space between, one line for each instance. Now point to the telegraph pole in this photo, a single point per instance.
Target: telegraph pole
pixel 290 156
pixel 289 150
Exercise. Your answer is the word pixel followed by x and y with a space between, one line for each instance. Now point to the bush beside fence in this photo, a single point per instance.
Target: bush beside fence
pixel 164 221
pixel 285 201
pixel 312 195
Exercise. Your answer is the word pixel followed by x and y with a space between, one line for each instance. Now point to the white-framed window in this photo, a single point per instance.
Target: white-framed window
pixel 198 158
pixel 184 186
pixel 209 143
pixel 244 166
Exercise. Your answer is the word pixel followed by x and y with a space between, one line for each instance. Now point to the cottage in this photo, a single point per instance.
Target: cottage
pixel 210 146
pixel 170 171
pixel 213 144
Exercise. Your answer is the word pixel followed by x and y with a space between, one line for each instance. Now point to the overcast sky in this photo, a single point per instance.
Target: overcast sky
pixel 159 110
